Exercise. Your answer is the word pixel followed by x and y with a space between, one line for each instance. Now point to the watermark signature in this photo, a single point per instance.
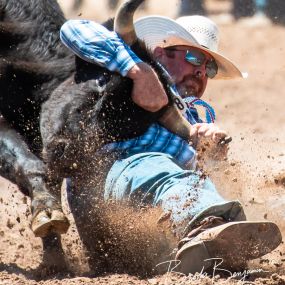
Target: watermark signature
pixel 216 270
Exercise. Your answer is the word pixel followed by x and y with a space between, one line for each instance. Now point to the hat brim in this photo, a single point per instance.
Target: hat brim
pixel 164 32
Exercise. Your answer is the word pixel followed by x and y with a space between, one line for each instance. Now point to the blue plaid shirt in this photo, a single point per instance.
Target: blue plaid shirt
pixel 94 43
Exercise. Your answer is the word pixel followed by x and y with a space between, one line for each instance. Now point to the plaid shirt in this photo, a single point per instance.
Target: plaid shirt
pixel 94 43
pixel 159 139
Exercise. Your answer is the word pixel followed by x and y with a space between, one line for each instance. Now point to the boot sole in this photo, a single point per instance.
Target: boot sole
pixel 233 244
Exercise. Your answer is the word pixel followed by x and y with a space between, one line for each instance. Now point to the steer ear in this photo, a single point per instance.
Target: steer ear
pixel 124 21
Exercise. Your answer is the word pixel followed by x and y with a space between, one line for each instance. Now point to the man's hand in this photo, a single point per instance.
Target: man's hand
pixel 209 131
pixel 208 138
pixel 147 92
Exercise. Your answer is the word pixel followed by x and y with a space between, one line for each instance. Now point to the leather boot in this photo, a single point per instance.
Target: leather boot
pixel 216 243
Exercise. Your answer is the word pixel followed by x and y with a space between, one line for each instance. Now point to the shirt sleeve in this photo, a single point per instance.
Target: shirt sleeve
pixel 94 43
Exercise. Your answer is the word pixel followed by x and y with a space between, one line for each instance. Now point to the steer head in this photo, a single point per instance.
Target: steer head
pixel 94 108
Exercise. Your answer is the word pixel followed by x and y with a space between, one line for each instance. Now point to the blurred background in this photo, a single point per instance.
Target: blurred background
pixel 261 11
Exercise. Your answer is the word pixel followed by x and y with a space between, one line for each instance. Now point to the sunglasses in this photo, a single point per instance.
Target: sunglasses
pixel 197 58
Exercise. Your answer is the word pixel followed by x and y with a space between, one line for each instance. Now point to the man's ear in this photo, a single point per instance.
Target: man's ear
pixel 158 52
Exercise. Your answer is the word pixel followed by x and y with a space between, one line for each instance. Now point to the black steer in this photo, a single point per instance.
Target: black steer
pixel 89 107
pixel 33 62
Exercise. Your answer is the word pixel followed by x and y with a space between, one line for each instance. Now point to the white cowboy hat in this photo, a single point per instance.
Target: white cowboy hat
pixel 196 31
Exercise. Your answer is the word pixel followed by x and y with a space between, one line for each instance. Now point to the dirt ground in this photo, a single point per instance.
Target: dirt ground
pixel 251 110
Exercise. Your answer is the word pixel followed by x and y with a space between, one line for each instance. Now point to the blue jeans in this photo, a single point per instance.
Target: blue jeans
pixel 157 179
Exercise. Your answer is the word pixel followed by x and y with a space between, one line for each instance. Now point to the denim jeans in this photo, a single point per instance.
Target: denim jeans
pixel 157 179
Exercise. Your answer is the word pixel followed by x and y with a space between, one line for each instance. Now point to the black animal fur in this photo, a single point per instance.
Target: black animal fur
pixel 50 98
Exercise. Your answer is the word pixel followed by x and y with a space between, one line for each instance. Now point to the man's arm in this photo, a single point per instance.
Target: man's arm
pixel 94 43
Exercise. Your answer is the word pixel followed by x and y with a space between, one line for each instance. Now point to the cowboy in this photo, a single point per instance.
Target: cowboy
pixel 158 168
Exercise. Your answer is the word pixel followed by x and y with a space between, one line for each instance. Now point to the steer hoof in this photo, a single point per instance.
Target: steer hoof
pixel 59 222
pixel 45 223
pixel 41 224
pixel 48 217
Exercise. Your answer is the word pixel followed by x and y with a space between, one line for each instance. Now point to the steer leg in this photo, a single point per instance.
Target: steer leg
pixel 23 168
pixel 53 255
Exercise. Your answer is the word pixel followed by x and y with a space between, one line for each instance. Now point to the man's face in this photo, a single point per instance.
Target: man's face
pixel 190 79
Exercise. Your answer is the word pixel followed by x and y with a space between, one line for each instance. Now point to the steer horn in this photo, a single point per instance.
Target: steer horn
pixel 124 21
pixel 174 121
